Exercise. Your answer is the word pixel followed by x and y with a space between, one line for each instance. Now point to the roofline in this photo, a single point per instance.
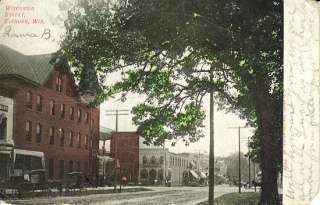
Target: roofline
pixel 21 78
pixel 125 132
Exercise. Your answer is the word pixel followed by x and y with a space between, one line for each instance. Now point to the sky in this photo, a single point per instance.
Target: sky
pixel 45 39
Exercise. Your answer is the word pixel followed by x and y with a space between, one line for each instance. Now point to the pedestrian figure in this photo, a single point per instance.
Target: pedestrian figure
pixel 124 180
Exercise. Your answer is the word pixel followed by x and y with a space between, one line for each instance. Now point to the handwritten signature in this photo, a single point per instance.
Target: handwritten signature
pixel 9 33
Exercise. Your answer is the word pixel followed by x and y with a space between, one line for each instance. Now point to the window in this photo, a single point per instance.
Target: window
pixel 92 123
pixel 161 160
pixel 28 130
pixel 70 166
pixel 61 135
pixel 3 127
pixel 91 142
pixel 79 140
pixel 62 110
pixel 86 141
pixel 50 168
pixel 144 160
pixel 71 113
pixel 59 83
pixel 61 171
pixel 38 132
pixel 71 139
pixel 39 103
pixel 52 107
pixel 86 117
pixel 29 100
pixel 153 160
pixel 79 115
pixel 51 135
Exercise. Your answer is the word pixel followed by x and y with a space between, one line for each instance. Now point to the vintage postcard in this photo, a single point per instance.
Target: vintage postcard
pixel 165 102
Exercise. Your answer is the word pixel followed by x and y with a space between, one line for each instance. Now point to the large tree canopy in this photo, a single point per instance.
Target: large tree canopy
pixel 166 49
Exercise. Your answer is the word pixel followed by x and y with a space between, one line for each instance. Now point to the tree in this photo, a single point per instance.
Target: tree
pixel 167 49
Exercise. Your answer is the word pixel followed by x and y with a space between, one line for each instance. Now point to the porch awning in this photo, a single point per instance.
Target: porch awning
pixel 203 175
pixel 194 174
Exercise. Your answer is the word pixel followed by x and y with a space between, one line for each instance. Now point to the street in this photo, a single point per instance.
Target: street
pixel 159 196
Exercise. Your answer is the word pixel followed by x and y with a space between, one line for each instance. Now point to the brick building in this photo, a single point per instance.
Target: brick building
pixel 44 122
pixel 124 146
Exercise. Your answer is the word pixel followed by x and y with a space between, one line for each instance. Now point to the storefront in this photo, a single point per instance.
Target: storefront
pixel 25 161
pixel 106 170
pixel 6 141
pixel 5 162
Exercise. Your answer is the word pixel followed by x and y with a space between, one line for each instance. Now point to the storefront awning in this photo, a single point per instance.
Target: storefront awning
pixel 29 153
pixel 105 158
pixel 203 175
pixel 194 174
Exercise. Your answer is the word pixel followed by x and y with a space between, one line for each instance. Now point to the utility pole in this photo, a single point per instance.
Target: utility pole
pixel 165 163
pixel 254 176
pixel 116 113
pixel 239 162
pixel 239 128
pixel 211 150
pixel 249 163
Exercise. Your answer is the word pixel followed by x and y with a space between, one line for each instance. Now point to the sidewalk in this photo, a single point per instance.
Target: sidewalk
pixel 77 192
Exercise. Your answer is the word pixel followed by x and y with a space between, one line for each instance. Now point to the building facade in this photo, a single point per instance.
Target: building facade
pixel 156 164
pixel 45 123
pixel 124 149
pixel 153 165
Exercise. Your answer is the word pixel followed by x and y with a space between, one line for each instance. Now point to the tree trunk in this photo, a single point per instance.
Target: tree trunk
pixel 270 145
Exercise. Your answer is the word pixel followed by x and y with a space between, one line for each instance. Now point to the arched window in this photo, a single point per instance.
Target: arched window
pixel 52 107
pixel 144 174
pixel 79 140
pixel 153 160
pixel 38 132
pixel 86 117
pixel 28 130
pixel 62 110
pixel 39 103
pixel 61 135
pixel 71 139
pixel 152 175
pixel 144 160
pixel 79 115
pixel 71 113
pixel 3 127
pixel 86 141
pixel 59 83
pixel 29 100
pixel 51 135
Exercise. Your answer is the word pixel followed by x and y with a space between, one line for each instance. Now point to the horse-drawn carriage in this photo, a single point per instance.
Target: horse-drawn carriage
pixel 35 183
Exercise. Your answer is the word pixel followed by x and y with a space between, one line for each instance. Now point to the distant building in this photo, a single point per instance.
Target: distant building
pixel 179 166
pixel 124 147
pixel 157 164
pixel 153 165
pixel 44 122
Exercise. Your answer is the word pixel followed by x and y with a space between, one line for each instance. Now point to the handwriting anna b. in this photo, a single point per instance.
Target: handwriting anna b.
pixel 10 33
